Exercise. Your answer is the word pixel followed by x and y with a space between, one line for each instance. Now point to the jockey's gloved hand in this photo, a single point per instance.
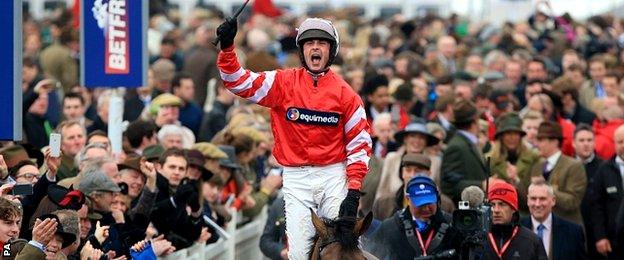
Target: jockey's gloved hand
pixel 226 32
pixel 349 206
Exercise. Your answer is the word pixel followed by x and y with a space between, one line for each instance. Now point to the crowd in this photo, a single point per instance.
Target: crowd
pixel 537 105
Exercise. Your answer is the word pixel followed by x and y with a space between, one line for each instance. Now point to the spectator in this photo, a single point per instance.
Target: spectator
pixel 101 120
pixel 74 109
pixel 190 114
pixel 273 239
pixel 462 161
pixel 572 109
pixel 447 47
pixel 510 159
pixel 25 172
pixel 11 216
pixel 584 145
pixel 530 123
pixel 171 168
pixel 138 99
pixel 235 185
pixel 422 218
pixel 168 51
pixel 413 139
pixel 605 200
pixel 560 171
pixel 140 135
pixel 550 228
pixel 176 136
pixel 444 115
pixel 57 60
pixel 73 139
pixel 593 88
pixel 521 242
pixel 215 120
pixel 164 110
pixel 200 61
pixel 101 138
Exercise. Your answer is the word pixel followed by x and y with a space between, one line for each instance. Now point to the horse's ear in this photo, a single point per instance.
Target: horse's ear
pixel 319 225
pixel 362 225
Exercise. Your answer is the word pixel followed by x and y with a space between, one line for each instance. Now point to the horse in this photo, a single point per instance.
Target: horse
pixel 328 244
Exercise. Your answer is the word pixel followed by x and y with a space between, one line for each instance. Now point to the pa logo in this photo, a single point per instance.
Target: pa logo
pixel 6 250
pixel 293 114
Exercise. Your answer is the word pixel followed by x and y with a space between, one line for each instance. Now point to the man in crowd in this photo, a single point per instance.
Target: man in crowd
pixel 584 147
pixel 190 114
pixel 74 109
pixel 419 229
pixel 462 161
pixel 507 239
pixel 606 197
pixel 565 174
pixel 562 239
pixel 73 139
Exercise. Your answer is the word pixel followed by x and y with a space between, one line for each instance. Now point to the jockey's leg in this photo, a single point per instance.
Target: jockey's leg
pixel 298 198
pixel 334 189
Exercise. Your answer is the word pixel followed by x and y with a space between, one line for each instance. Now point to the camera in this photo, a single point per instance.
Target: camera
pixel 473 224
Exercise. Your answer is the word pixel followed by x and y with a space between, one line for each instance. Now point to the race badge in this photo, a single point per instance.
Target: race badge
pixel 611 190
pixel 112 19
pixel 312 117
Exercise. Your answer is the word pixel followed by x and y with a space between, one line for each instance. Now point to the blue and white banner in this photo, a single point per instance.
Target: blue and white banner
pixel 113 43
pixel 11 70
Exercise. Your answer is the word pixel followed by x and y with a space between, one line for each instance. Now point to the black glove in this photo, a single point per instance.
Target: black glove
pixel 193 202
pixel 226 32
pixel 184 191
pixel 349 206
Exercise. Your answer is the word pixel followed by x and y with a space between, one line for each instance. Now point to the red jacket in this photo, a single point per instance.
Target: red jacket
pixel 313 123
pixel 567 129
pixel 603 132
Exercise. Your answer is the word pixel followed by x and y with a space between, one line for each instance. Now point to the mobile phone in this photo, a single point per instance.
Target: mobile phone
pixel 22 189
pixel 55 145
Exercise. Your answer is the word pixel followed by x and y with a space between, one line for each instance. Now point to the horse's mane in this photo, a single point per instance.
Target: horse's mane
pixel 347 240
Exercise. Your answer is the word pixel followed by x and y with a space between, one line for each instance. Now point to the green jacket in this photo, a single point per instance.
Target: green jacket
pixel 67 168
pixel 462 166
pixel 526 160
pixel 569 183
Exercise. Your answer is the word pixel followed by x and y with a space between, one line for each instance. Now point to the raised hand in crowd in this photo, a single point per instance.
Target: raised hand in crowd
pixel 43 231
pixel 162 246
pixel 88 252
pixel 111 255
pixel 4 170
pixel 118 215
pixel 244 195
pixel 204 236
pixel 148 169
pixel 101 232
pixel 512 172
pixel 53 164
pixel 184 192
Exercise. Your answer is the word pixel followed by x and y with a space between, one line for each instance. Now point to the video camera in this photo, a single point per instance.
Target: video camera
pixel 473 223
pixel 473 218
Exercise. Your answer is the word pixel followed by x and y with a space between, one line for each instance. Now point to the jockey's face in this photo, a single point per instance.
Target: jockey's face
pixel 316 54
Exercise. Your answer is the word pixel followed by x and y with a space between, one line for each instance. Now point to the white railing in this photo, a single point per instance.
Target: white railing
pixel 244 242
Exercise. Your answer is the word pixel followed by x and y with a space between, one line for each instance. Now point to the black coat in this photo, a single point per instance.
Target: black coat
pixel 525 245
pixel 213 121
pixel 605 200
pixel 582 115
pixel 566 241
pixel 273 239
pixel 591 169
pixel 389 241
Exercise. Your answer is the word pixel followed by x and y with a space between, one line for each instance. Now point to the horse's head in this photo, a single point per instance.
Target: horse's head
pixel 331 244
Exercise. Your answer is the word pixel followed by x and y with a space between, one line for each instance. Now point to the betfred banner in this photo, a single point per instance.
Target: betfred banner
pixel 113 43
pixel 11 70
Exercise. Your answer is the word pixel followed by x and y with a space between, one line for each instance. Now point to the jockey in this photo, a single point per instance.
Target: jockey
pixel 322 137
